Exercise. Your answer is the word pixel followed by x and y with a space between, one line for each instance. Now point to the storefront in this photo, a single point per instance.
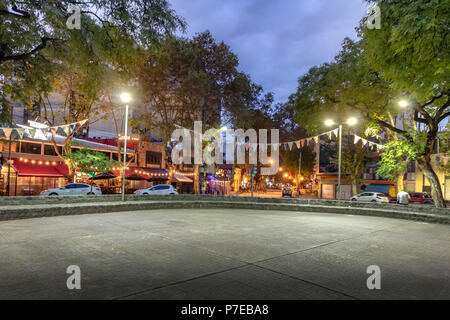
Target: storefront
pixel 31 177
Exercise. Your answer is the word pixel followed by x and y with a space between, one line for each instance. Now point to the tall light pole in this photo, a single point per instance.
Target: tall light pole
pixel 350 122
pixel 125 98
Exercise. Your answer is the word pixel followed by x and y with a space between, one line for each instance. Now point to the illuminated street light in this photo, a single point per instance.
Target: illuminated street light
pixel 352 121
pixel 403 103
pixel 286 175
pixel 125 98
pixel 329 123
pixel 280 169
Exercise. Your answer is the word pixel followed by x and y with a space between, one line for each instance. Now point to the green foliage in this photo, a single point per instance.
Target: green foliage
pixel 36 46
pixel 88 161
pixel 412 47
pixel 395 157
pixel 291 160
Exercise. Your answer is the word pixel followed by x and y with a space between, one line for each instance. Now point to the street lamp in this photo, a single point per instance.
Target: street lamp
pixel 351 121
pixel 125 98
pixel 403 103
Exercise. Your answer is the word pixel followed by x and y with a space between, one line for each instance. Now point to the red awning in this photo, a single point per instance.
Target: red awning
pixel 40 168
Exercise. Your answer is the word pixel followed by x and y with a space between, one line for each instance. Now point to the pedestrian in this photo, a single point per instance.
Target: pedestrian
pixel 403 197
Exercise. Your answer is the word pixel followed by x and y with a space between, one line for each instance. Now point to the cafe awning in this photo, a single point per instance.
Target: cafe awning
pixel 39 168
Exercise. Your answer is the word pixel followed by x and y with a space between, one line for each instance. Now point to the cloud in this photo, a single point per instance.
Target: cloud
pixel 276 41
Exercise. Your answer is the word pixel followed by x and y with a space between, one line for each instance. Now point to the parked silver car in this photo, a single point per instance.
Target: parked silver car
pixel 73 189
pixel 161 189
pixel 371 197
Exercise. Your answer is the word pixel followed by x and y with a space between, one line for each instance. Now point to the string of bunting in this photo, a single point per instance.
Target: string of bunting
pixel 365 142
pixel 66 129
pixel 302 142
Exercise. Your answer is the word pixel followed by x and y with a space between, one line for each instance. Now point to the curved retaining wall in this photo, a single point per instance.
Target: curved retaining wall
pixel 32 207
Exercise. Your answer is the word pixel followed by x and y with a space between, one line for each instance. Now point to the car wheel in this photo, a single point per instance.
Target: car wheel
pixel 145 193
pixel 53 194
pixel 374 200
pixel 353 199
pixel 428 202
pixel 90 193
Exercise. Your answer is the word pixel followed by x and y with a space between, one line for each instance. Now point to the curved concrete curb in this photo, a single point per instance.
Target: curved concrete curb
pixel 59 209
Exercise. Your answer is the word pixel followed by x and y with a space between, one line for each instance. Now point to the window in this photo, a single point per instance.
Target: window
pixel 71 186
pixel 80 186
pixel 161 187
pixel 49 150
pixel 32 148
pixel 416 195
pixel 153 158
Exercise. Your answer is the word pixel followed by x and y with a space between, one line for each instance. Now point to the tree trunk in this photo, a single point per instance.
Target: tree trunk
pixel 196 180
pixel 436 191
pixel 399 182
pixel 355 186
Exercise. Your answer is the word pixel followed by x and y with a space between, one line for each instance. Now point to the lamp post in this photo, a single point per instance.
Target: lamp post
pixel 350 122
pixel 125 98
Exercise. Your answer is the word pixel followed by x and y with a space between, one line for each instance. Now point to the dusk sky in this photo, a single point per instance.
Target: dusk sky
pixel 276 41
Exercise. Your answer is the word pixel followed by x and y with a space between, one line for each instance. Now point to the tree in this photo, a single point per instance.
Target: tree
pixel 394 160
pixel 187 80
pixel 36 42
pixel 411 51
pixel 349 86
pixel 88 162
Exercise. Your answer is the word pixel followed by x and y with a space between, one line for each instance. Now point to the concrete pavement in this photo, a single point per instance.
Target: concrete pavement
pixel 223 254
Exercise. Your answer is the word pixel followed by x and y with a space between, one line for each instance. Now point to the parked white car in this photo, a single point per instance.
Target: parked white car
pixel 73 189
pixel 371 197
pixel 161 189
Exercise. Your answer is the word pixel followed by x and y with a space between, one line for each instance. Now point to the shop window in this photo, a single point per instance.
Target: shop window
pixel 49 150
pixel 153 158
pixel 32 148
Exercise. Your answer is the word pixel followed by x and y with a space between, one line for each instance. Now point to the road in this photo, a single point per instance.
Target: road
pixel 223 254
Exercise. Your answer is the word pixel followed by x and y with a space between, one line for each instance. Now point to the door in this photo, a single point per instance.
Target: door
pixel 69 189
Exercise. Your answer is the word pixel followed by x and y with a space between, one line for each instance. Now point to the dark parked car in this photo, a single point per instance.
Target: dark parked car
pixel 420 197
pixel 287 191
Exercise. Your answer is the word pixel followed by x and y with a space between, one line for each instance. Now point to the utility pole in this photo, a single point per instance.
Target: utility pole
pixel 299 171
pixel 9 166
pixel 253 174
pixel 340 163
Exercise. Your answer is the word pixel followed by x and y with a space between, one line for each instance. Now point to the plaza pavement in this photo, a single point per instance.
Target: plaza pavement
pixel 223 254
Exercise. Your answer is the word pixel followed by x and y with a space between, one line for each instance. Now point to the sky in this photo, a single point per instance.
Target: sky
pixel 276 41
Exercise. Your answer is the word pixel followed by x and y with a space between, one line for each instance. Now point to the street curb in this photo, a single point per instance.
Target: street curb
pixel 52 210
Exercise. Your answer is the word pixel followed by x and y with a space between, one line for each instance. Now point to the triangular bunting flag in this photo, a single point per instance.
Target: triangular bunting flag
pixel 364 141
pixel 66 129
pixel 336 132
pixel 32 133
pixel 303 142
pixel 20 132
pixel 356 139
pixel 247 145
pixel 316 139
pixel 298 144
pixel 290 144
pixel 329 135
pixel 44 131
pixel 82 122
pixel 7 132
pixel 275 146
